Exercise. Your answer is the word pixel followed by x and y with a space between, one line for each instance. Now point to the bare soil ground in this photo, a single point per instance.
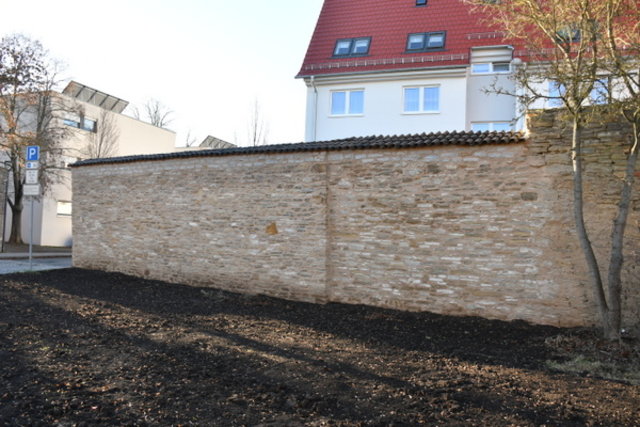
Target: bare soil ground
pixel 81 347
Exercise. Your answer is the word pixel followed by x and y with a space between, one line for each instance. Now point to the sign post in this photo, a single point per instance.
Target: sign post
pixel 31 188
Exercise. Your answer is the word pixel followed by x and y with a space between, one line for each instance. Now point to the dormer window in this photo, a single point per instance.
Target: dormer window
pixel 425 41
pixel 421 2
pixel 358 46
pixel 568 34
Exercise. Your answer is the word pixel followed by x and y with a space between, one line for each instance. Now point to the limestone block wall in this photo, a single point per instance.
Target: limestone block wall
pixel 467 230
pixel 250 224
pixel 456 230
pixel 605 148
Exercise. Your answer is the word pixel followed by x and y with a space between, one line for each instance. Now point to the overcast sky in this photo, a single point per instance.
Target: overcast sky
pixel 207 60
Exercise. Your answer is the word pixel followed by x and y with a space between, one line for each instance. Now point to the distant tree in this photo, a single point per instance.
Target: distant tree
pixel 104 141
pixel 570 45
pixel 155 113
pixel 29 111
pixel 190 140
pixel 257 129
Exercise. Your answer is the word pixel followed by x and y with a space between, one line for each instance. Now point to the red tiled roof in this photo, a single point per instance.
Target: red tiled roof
pixel 388 23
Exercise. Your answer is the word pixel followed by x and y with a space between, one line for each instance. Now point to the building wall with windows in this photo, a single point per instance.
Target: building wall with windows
pixel 411 102
pixel 133 137
pixel 83 120
pixel 399 54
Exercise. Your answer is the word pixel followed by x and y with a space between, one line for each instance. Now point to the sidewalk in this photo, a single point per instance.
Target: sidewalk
pixel 15 258
pixel 21 265
pixel 12 251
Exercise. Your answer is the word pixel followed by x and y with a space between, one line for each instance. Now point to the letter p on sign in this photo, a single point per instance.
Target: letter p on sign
pixel 33 153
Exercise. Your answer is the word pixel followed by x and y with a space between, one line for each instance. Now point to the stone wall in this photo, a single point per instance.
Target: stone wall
pixel 467 230
pixel 251 224
pixel 604 167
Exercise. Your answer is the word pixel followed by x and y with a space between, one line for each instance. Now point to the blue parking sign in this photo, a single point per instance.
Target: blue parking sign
pixel 33 153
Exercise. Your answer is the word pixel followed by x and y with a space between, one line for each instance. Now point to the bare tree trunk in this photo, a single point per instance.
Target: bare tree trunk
pixel 16 224
pixel 617 240
pixel 16 206
pixel 583 236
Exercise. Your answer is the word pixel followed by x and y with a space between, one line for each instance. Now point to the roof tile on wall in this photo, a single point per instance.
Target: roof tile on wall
pixel 353 143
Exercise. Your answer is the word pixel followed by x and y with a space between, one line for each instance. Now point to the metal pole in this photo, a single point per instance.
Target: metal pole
pixel 31 238
pixel 4 211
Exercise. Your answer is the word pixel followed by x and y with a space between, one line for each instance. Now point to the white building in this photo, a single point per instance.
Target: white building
pixel 405 67
pixel 89 112
pixel 376 67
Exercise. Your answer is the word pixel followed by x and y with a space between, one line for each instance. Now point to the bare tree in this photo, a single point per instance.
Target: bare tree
pixel 570 43
pixel 621 43
pixel 190 140
pixel 257 129
pixel 29 111
pixel 155 113
pixel 104 142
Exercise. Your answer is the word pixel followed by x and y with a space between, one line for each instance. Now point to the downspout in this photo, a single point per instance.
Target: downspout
pixel 521 107
pixel 315 108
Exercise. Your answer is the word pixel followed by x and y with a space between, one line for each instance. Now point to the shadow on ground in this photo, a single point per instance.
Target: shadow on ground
pixel 85 346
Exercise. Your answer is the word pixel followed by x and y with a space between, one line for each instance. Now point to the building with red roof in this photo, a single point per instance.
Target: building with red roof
pixel 405 66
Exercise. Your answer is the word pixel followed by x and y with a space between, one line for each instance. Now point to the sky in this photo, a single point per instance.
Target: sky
pixel 209 61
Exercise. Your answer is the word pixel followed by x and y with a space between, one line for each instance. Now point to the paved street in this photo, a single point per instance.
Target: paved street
pixel 19 265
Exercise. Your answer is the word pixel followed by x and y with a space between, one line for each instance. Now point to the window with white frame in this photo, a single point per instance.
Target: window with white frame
pixel 490 68
pixel 491 126
pixel 347 102
pixel 63 208
pixel 421 99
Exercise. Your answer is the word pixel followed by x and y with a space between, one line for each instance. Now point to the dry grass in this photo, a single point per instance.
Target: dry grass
pixel 584 353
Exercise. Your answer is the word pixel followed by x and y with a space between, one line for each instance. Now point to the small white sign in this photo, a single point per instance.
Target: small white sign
pixel 31 176
pixel 31 189
pixel 33 165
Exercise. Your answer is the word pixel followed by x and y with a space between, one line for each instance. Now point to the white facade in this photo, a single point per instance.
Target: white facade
pixel 463 101
pixel 52 212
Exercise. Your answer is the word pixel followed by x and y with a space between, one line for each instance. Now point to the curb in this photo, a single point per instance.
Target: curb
pixel 17 256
